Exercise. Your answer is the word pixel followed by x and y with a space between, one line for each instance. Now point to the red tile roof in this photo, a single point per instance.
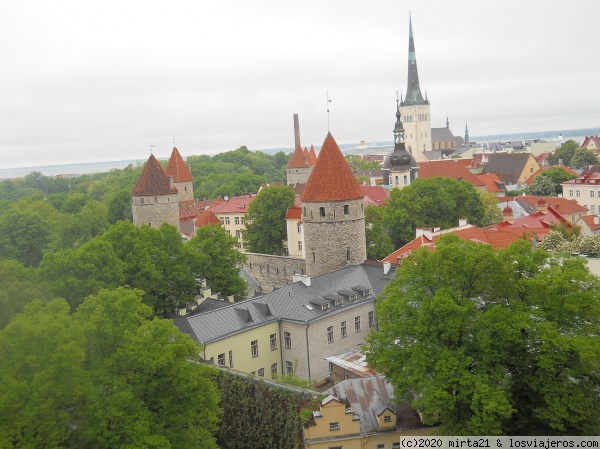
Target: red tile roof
pixel 448 168
pixel 538 220
pixel 207 218
pixel 587 179
pixel 177 168
pixel 312 156
pixel 563 206
pixel 588 139
pixel 191 208
pixel 492 182
pixel 234 205
pixel 377 195
pixel 153 180
pixel 542 170
pixel 294 213
pixel 298 159
pixel 332 178
pixel 589 221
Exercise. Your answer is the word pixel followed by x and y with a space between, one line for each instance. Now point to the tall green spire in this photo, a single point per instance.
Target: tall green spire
pixel 413 90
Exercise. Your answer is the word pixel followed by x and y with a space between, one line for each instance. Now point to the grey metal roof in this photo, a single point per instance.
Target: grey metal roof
pixel 252 283
pixel 289 303
pixel 441 135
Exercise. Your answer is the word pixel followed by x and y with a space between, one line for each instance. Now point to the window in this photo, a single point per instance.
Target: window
pixel 222 220
pixel 387 418
pixel 299 228
pixel 221 359
pixel 314 256
pixel 228 231
pixel 243 220
pixel 273 369
pixel 237 220
pixel 343 329
pixel 577 193
pixel 371 319
pixel 304 211
pixel 593 209
pixel 289 367
pixel 261 373
pixel 299 245
pixel 238 234
pixel 226 220
pixel 591 194
pixel 346 209
pixel 348 254
pixel 330 334
pixel 230 358
pixel 357 324
pixel 287 337
pixel 156 199
pixel 334 426
pixel 396 445
pixel 273 341
pixel 322 211
pixel 254 348
pixel 570 193
pixel 381 446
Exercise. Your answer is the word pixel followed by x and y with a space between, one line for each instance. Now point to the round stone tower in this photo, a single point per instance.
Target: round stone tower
pixel 333 214
pixel 182 177
pixel 154 199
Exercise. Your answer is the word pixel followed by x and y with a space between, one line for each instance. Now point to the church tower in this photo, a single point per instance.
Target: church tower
pixel 182 177
pixel 414 109
pixel 333 214
pixel 154 198
pixel 466 134
pixel 400 167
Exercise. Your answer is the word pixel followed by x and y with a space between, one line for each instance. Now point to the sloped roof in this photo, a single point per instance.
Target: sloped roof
pixel 298 159
pixel 508 166
pixel 441 135
pixel 542 170
pixel 561 205
pixel 353 361
pixel 448 168
pixel 588 139
pixel 234 205
pixel 191 208
pixel 153 180
pixel 289 302
pixel 589 221
pixel 492 182
pixel 537 221
pixel 294 213
pixel 177 168
pixel 377 195
pixel 312 156
pixel 331 178
pixel 207 218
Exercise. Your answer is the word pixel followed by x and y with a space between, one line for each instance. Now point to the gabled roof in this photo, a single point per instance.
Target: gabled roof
pixel 492 182
pixel 331 178
pixel 589 222
pixel 377 195
pixel 542 170
pixel 312 156
pixel 191 208
pixel 441 135
pixel 153 180
pixel 177 168
pixel 561 205
pixel 508 166
pixel 298 159
pixel 448 168
pixel 207 218
pixel 294 213
pixel 536 221
pixel 234 205
pixel 586 179
pixel 589 139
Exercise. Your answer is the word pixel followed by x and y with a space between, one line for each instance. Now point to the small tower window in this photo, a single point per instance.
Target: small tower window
pixel 142 200
pixel 322 211
pixel 348 254
pixel 304 211
pixel 314 256
pixel 156 199
pixel 346 209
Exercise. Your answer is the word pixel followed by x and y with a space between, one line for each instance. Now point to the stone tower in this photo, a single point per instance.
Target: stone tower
pixel 299 167
pixel 400 167
pixel 333 214
pixel 414 109
pixel 466 133
pixel 154 198
pixel 182 177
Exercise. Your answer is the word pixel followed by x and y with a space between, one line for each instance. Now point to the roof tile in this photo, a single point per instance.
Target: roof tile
pixel 153 180
pixel 298 159
pixel 177 168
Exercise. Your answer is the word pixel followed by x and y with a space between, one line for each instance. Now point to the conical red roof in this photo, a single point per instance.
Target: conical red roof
pixel 177 168
pixel 298 159
pixel 331 178
pixel 312 156
pixel 153 180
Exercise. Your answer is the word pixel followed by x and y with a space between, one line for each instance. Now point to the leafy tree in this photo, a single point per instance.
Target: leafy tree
pixel 491 211
pixel 24 236
pixel 119 206
pixel 583 157
pixel 564 153
pixel 379 243
pixel 493 343
pixel 364 179
pixel 266 230
pixel 359 163
pixel 430 202
pixel 280 159
pixel 219 260
pixel 542 186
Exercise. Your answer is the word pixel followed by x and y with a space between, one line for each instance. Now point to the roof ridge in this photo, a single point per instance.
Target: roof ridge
pixel 153 180
pixel 178 168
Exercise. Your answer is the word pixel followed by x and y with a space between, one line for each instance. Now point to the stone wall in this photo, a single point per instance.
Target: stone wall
pixel 155 210
pixel 334 235
pixel 298 175
pixel 273 272
pixel 186 190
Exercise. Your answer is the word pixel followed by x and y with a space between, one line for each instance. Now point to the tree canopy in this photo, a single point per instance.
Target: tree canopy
pixel 548 183
pixel 493 343
pixel 379 243
pixel 563 155
pixel 583 157
pixel 266 229
pixel 430 202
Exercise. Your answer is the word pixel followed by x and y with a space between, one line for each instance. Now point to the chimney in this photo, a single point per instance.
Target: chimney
pixel 541 205
pixel 427 233
pixel 386 267
pixel 296 131
pixel 419 232
pixel 230 298
pixel 462 221
pixel 301 278
pixel 171 181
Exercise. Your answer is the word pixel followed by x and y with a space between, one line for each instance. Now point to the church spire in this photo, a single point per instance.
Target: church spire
pixel 413 89
pixel 466 133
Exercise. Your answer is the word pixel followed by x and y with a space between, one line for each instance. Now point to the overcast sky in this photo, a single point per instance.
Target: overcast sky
pixel 88 80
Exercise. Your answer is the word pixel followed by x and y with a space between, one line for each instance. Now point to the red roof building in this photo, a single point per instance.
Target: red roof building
pixel 493 184
pixel 592 143
pixel 207 218
pixel 298 159
pixel 542 170
pixel 153 180
pixel 177 168
pixel 376 195
pixel 331 178
pixel 451 169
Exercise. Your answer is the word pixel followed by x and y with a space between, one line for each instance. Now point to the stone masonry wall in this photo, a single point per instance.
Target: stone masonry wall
pixel 155 210
pixel 298 175
pixel 186 190
pixel 273 272
pixel 330 239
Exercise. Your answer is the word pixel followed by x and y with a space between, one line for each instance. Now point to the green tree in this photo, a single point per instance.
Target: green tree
pixel 493 343
pixel 556 175
pixel 564 154
pixel 219 260
pixel 542 186
pixel 266 230
pixel 379 243
pixel 491 212
pixel 24 236
pixel 583 157
pixel 430 202
pixel 119 206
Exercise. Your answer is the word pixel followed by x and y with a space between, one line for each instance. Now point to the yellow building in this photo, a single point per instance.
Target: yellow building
pixel 361 414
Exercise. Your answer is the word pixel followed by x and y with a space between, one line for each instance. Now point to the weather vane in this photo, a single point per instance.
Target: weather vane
pixel 328 101
pixel 173 140
pixel 151 148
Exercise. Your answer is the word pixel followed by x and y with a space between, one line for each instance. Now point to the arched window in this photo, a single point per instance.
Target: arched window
pixel 405 180
pixel 322 211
